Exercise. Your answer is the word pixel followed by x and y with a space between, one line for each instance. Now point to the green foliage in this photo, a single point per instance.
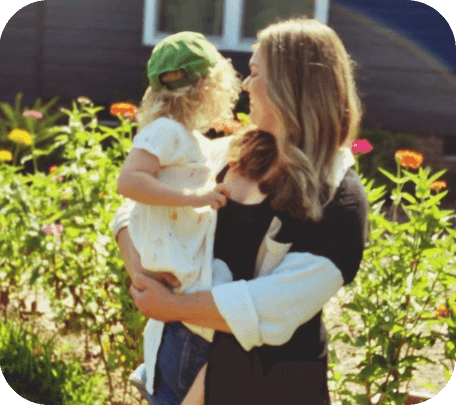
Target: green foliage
pixel 37 373
pixel 41 130
pixel 55 235
pixel 78 265
pixel 385 144
pixel 407 273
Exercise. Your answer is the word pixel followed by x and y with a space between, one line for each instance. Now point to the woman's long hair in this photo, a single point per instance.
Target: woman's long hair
pixel 198 105
pixel 311 84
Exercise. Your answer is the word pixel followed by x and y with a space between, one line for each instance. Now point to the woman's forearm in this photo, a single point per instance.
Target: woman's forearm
pixel 200 309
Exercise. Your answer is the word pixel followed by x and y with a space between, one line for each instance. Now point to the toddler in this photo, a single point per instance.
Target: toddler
pixel 170 178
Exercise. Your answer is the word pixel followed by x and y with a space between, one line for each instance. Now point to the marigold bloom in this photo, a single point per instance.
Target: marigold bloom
pixel 227 125
pixel 127 110
pixel 438 185
pixel 442 312
pixel 360 146
pixel 5 156
pixel 20 136
pixel 52 169
pixel 38 115
pixel 408 158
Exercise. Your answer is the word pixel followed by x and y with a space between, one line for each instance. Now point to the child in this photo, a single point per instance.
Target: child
pixel 169 176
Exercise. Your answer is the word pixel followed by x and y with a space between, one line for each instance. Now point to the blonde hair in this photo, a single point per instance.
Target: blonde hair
pixel 311 85
pixel 197 105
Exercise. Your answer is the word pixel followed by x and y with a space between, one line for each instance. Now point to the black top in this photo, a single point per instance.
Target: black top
pixel 239 232
pixel 296 372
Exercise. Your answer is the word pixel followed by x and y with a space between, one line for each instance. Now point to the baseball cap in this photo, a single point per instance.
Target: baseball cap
pixel 188 54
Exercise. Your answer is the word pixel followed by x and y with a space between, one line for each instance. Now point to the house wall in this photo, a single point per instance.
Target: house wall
pixel 94 48
pixel 20 54
pixel 403 88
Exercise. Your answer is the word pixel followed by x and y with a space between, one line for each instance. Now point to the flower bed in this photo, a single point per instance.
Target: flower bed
pixel 55 237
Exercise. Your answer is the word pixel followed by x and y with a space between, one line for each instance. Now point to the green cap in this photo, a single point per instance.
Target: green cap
pixel 187 51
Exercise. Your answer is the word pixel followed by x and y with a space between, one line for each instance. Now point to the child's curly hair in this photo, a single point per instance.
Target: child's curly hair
pixel 198 105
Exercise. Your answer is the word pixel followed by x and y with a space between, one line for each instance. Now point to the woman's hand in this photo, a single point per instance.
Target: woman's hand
pixel 153 299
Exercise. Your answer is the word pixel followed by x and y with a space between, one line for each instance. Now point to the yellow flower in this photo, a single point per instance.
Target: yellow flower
pixel 107 346
pixel 408 158
pixel 438 185
pixel 20 136
pixel 5 156
pixel 123 359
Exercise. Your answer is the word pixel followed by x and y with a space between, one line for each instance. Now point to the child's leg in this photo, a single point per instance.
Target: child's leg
pixel 196 394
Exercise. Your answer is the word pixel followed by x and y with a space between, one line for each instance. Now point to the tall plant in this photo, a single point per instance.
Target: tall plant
pixel 407 273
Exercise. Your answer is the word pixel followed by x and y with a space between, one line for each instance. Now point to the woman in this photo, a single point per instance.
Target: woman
pixel 271 344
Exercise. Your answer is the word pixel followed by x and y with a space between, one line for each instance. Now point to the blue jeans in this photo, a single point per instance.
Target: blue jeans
pixel 181 355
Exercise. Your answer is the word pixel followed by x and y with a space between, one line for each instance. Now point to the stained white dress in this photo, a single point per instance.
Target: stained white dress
pixel 178 240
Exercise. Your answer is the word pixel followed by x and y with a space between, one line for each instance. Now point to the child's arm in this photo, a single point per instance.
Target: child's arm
pixel 196 394
pixel 137 182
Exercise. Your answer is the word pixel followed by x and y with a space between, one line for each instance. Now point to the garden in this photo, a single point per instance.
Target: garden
pixel 69 330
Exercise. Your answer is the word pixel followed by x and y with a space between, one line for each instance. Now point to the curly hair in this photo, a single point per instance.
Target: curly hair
pixel 198 105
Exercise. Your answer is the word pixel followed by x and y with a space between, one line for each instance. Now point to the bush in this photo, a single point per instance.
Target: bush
pixel 34 370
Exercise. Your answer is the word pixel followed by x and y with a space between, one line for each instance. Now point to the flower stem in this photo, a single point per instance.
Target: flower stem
pixel 16 153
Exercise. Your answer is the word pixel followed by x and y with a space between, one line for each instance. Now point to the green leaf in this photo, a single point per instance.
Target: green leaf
pixel 436 176
pixel 10 114
pixel 408 197
pixel 435 199
pixel 389 175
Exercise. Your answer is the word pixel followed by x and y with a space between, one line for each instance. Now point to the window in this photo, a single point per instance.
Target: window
pixel 230 24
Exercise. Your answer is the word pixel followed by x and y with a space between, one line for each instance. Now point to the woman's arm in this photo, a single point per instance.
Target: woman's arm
pixel 157 302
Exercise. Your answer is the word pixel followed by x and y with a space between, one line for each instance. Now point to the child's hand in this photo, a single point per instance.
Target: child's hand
pixel 216 198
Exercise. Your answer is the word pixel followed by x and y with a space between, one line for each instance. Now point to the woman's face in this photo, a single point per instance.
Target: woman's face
pixel 262 113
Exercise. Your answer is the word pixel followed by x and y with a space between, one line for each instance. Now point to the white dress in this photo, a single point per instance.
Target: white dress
pixel 178 240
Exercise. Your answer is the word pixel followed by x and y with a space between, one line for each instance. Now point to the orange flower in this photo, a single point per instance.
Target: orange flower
pixel 174 216
pixel 52 169
pixel 408 158
pixel 37 352
pixel 227 125
pixel 127 110
pixel 442 312
pixel 438 185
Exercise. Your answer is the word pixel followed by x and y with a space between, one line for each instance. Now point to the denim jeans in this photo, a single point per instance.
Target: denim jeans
pixel 181 355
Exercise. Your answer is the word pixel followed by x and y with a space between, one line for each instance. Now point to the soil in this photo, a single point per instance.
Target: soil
pixel 348 356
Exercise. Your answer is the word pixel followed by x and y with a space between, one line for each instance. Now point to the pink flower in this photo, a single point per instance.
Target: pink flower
pixel 48 229
pixel 38 115
pixel 360 146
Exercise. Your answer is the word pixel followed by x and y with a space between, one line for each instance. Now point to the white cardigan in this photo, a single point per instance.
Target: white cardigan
pixel 288 289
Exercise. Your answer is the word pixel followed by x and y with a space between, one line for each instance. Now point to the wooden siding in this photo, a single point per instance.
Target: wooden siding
pixel 402 86
pixel 94 48
pixel 19 50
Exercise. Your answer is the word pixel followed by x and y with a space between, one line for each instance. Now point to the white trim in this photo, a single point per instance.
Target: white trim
pixel 231 39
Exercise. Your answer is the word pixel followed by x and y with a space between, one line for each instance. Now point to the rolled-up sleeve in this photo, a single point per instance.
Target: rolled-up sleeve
pixel 268 310
pixel 122 217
